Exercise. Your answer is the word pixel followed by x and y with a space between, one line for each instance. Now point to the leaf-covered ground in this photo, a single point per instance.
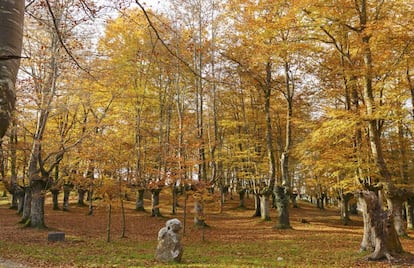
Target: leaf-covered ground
pixel 233 239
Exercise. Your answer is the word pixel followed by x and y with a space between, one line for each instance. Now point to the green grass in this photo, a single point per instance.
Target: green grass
pixel 125 253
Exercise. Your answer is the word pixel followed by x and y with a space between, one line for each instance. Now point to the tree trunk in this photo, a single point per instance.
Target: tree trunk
pixel 174 191
pixel 410 211
pixel 38 203
pixel 20 203
pixel 90 201
pixel 81 197
pixel 26 204
pixel 11 36
pixel 380 222
pixel 66 193
pixel 396 206
pixel 155 202
pixel 282 202
pixel 139 205
pixel 123 222
pixel 242 195
pixel 344 201
pixel 395 199
pixel 367 243
pixel 109 223
pixel 55 200
pixel 293 198
pixel 257 209
pixel 264 206
pixel 199 219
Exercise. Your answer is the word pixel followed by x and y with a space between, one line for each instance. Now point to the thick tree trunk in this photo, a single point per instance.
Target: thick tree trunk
pixel 155 203
pixel 264 206
pixel 11 36
pixel 367 243
pixel 139 205
pixel 395 199
pixel 38 203
pixel 282 204
pixel 381 225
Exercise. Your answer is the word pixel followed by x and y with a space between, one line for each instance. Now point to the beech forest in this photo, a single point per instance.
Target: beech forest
pixel 276 103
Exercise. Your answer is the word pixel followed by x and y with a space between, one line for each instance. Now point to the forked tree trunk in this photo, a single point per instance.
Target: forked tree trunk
pixel 139 205
pixel 380 223
pixel 282 203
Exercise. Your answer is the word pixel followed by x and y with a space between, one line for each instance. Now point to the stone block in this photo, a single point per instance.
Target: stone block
pixel 56 236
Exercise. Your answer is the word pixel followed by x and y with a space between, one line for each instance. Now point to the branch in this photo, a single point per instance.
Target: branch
pixel 12 57
pixel 164 44
pixel 59 35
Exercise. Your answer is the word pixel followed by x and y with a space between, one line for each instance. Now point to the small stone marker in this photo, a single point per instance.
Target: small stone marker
pixel 169 246
pixel 56 236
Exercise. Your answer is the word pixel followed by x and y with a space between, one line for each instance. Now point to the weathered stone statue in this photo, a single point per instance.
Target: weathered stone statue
pixel 169 247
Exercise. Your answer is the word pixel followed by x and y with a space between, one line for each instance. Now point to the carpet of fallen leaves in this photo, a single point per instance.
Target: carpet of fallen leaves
pixel 231 224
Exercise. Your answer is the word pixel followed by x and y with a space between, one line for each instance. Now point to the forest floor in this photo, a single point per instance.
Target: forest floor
pixel 233 239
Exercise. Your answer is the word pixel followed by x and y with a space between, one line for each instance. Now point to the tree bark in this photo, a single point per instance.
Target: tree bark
pixel 282 202
pixel 139 205
pixel 81 197
pixel 344 201
pixel 37 209
pixel 242 195
pixel 257 209
pixel 367 243
pixel 67 188
pixel 55 200
pixel 11 38
pixel 264 206
pixel 380 222
pixel 26 204
pixel 199 219
pixel 395 199
pixel 155 198
pixel 410 213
